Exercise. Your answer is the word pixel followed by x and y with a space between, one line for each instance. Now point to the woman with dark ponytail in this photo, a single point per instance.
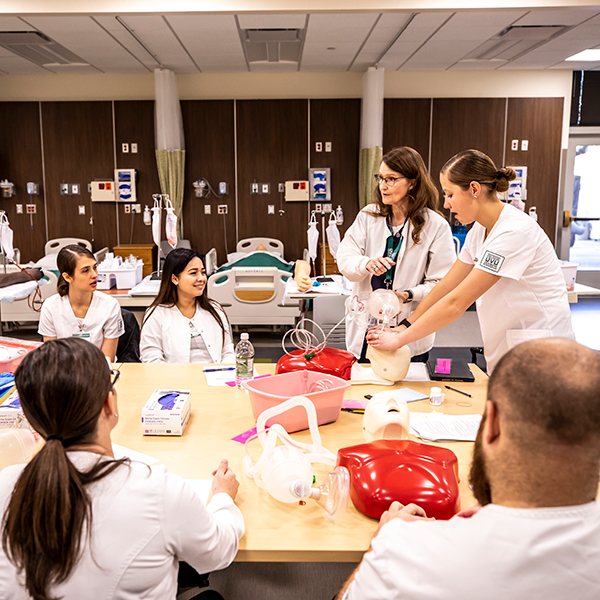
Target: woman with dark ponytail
pixel 508 265
pixel 79 310
pixel 76 523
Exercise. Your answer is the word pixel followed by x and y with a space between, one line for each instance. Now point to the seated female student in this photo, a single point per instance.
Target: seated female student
pixel 183 325
pixel 78 310
pixel 76 523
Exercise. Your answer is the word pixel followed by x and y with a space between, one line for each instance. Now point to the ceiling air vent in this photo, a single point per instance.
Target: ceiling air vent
pixel 273 45
pixel 39 49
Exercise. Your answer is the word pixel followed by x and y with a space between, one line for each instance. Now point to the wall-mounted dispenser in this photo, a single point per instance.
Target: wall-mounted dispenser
pixel 102 191
pixel 125 185
pixel 8 188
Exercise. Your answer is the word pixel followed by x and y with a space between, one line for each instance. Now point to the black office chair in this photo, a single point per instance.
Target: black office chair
pixel 128 348
pixel 188 578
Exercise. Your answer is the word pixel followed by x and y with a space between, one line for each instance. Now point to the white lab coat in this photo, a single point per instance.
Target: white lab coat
pixel 144 519
pixel 418 266
pixel 166 337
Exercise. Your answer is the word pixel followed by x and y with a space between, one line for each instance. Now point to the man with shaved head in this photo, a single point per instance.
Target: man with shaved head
pixel 535 471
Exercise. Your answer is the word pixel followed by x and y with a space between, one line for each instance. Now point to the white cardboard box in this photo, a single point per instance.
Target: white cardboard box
pixel 11 413
pixel 164 415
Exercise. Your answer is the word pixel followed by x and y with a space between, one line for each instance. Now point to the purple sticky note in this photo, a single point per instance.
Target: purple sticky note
pixel 443 365
pixel 242 437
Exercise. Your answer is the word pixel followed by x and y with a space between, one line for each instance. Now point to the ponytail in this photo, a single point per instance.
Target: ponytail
pixel 63 386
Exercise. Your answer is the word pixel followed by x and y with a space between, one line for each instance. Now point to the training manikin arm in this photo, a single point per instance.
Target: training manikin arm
pixel 302 275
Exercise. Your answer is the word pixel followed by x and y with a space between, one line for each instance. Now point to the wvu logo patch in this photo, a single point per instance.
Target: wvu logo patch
pixel 491 261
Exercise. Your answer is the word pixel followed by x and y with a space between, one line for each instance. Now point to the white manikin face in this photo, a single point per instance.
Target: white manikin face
pixel 392 365
pixel 386 417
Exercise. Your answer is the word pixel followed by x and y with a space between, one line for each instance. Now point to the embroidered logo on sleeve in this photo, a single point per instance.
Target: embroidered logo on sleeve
pixel 491 261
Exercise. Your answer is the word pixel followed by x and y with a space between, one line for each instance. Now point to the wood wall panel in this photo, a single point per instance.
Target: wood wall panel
pixel 464 123
pixel 20 162
pixel 338 122
pixel 272 147
pixel 78 148
pixel 538 120
pixel 134 123
pixel 210 153
pixel 406 122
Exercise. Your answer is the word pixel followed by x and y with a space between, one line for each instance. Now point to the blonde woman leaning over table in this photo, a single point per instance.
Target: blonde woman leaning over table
pixel 78 310
pixel 508 265
pixel 183 325
pixel 76 523
pixel 400 242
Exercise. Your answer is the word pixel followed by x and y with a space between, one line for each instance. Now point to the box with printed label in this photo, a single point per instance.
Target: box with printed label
pixel 166 412
pixel 11 413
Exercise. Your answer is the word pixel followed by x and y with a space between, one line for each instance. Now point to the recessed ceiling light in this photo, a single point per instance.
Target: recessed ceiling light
pixel 591 55
pixel 331 48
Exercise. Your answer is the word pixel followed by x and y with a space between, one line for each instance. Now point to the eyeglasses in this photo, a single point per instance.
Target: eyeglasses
pixel 115 375
pixel 389 181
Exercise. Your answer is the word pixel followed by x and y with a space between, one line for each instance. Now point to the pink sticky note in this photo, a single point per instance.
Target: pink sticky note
pixel 443 365
pixel 354 404
pixel 232 383
pixel 242 437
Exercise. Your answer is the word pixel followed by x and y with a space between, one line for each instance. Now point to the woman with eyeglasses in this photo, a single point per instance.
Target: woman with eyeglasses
pixel 507 265
pixel 400 242
pixel 79 524
pixel 183 325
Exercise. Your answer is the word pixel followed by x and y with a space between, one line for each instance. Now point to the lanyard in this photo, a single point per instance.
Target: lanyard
pixel 393 244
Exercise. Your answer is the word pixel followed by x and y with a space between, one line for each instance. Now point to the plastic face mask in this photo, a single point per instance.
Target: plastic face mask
pixel 386 417
pixel 313 237
pixel 286 472
pixel 333 235
pixel 387 470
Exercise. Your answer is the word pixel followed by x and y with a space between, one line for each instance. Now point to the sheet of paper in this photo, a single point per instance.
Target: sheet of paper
pixel 215 378
pixel 417 372
pixel 438 427
pixel 122 452
pixel 201 487
pixel 410 395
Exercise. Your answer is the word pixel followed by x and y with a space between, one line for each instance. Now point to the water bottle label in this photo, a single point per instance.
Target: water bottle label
pixel 244 367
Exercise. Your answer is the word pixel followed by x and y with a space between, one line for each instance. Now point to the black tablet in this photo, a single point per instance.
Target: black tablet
pixel 446 369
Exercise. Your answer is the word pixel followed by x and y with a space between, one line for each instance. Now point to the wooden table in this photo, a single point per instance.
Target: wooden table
pixel 275 532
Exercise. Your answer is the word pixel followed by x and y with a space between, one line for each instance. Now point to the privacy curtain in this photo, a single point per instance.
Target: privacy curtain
pixel 168 132
pixel 371 134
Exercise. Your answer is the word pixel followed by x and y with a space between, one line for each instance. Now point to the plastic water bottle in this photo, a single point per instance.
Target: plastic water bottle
pixel 244 360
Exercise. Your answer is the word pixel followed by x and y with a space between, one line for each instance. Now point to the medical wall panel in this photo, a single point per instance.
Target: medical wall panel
pixel 21 162
pixel 272 147
pixel 464 123
pixel 78 148
pixel 134 124
pixel 338 122
pixel 406 122
pixel 209 142
pixel 539 122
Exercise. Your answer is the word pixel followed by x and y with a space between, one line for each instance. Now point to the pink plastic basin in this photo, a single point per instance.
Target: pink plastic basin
pixel 325 391
pixel 13 351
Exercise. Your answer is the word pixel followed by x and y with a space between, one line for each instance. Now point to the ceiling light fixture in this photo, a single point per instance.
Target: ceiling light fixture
pixel 591 55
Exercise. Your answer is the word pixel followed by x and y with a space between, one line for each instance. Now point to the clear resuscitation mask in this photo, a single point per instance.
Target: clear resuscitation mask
pixel 333 235
pixel 356 310
pixel 313 236
pixel 383 305
pixel 171 224
pixel 285 471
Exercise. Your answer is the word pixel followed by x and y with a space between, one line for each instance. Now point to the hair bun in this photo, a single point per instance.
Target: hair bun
pixel 507 173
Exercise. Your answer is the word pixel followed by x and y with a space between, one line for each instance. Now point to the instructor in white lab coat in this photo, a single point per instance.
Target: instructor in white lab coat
pixel 508 265
pixel 400 242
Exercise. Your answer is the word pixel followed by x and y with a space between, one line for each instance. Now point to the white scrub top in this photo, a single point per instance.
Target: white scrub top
pixel 530 300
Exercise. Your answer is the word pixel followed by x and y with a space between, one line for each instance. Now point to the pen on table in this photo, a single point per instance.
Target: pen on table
pixel 459 391
pixel 219 369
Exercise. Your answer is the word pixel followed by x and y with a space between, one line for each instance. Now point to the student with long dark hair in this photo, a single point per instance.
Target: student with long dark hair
pixel 78 310
pixel 183 325
pixel 76 523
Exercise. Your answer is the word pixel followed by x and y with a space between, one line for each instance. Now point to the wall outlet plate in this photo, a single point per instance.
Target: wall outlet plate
pixel 133 148
pixel 318 146
pixel 265 188
pixel 207 209
pixel 222 209
pixel 74 189
pixel 327 146
pixel 524 145
pixel 31 209
pixel 281 187
pixel 125 148
pixel 81 209
pixel 254 188
pixel 127 208
pixel 514 145
pixel 271 209
pixel 64 189
pixel 19 209
pixel 136 208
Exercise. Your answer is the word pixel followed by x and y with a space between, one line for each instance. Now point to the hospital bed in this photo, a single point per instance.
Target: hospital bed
pixel 250 286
